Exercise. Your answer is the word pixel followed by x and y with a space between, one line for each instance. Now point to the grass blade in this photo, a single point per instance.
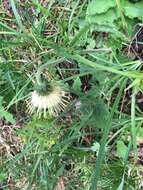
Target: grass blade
pixel 133 124
pixel 17 16
pixel 101 153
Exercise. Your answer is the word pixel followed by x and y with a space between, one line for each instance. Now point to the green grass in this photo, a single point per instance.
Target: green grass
pixel 93 144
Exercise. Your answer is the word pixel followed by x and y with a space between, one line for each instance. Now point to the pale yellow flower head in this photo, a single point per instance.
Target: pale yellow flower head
pixel 53 102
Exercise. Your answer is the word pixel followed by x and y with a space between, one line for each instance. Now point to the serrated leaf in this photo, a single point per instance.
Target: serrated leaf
pixel 99 6
pixel 107 18
pixel 133 10
pixel 121 149
pixel 109 29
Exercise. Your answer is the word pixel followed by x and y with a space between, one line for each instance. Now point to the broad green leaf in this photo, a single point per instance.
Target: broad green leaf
pixel 109 29
pixel 121 149
pixel 134 10
pixel 7 116
pixel 99 6
pixel 107 18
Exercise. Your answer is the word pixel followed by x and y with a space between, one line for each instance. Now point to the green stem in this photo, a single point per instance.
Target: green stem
pixel 63 52
pixel 130 74
pixel 133 123
pixel 44 66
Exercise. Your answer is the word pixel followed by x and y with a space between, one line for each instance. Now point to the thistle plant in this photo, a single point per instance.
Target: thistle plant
pixel 49 96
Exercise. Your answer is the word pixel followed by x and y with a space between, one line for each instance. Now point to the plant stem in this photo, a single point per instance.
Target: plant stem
pixel 131 74
pixel 70 55
pixel 133 123
pixel 44 66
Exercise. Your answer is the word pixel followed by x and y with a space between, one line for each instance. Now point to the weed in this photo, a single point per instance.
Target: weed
pixel 91 139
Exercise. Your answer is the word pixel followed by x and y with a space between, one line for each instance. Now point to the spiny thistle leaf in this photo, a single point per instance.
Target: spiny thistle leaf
pixel 98 6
